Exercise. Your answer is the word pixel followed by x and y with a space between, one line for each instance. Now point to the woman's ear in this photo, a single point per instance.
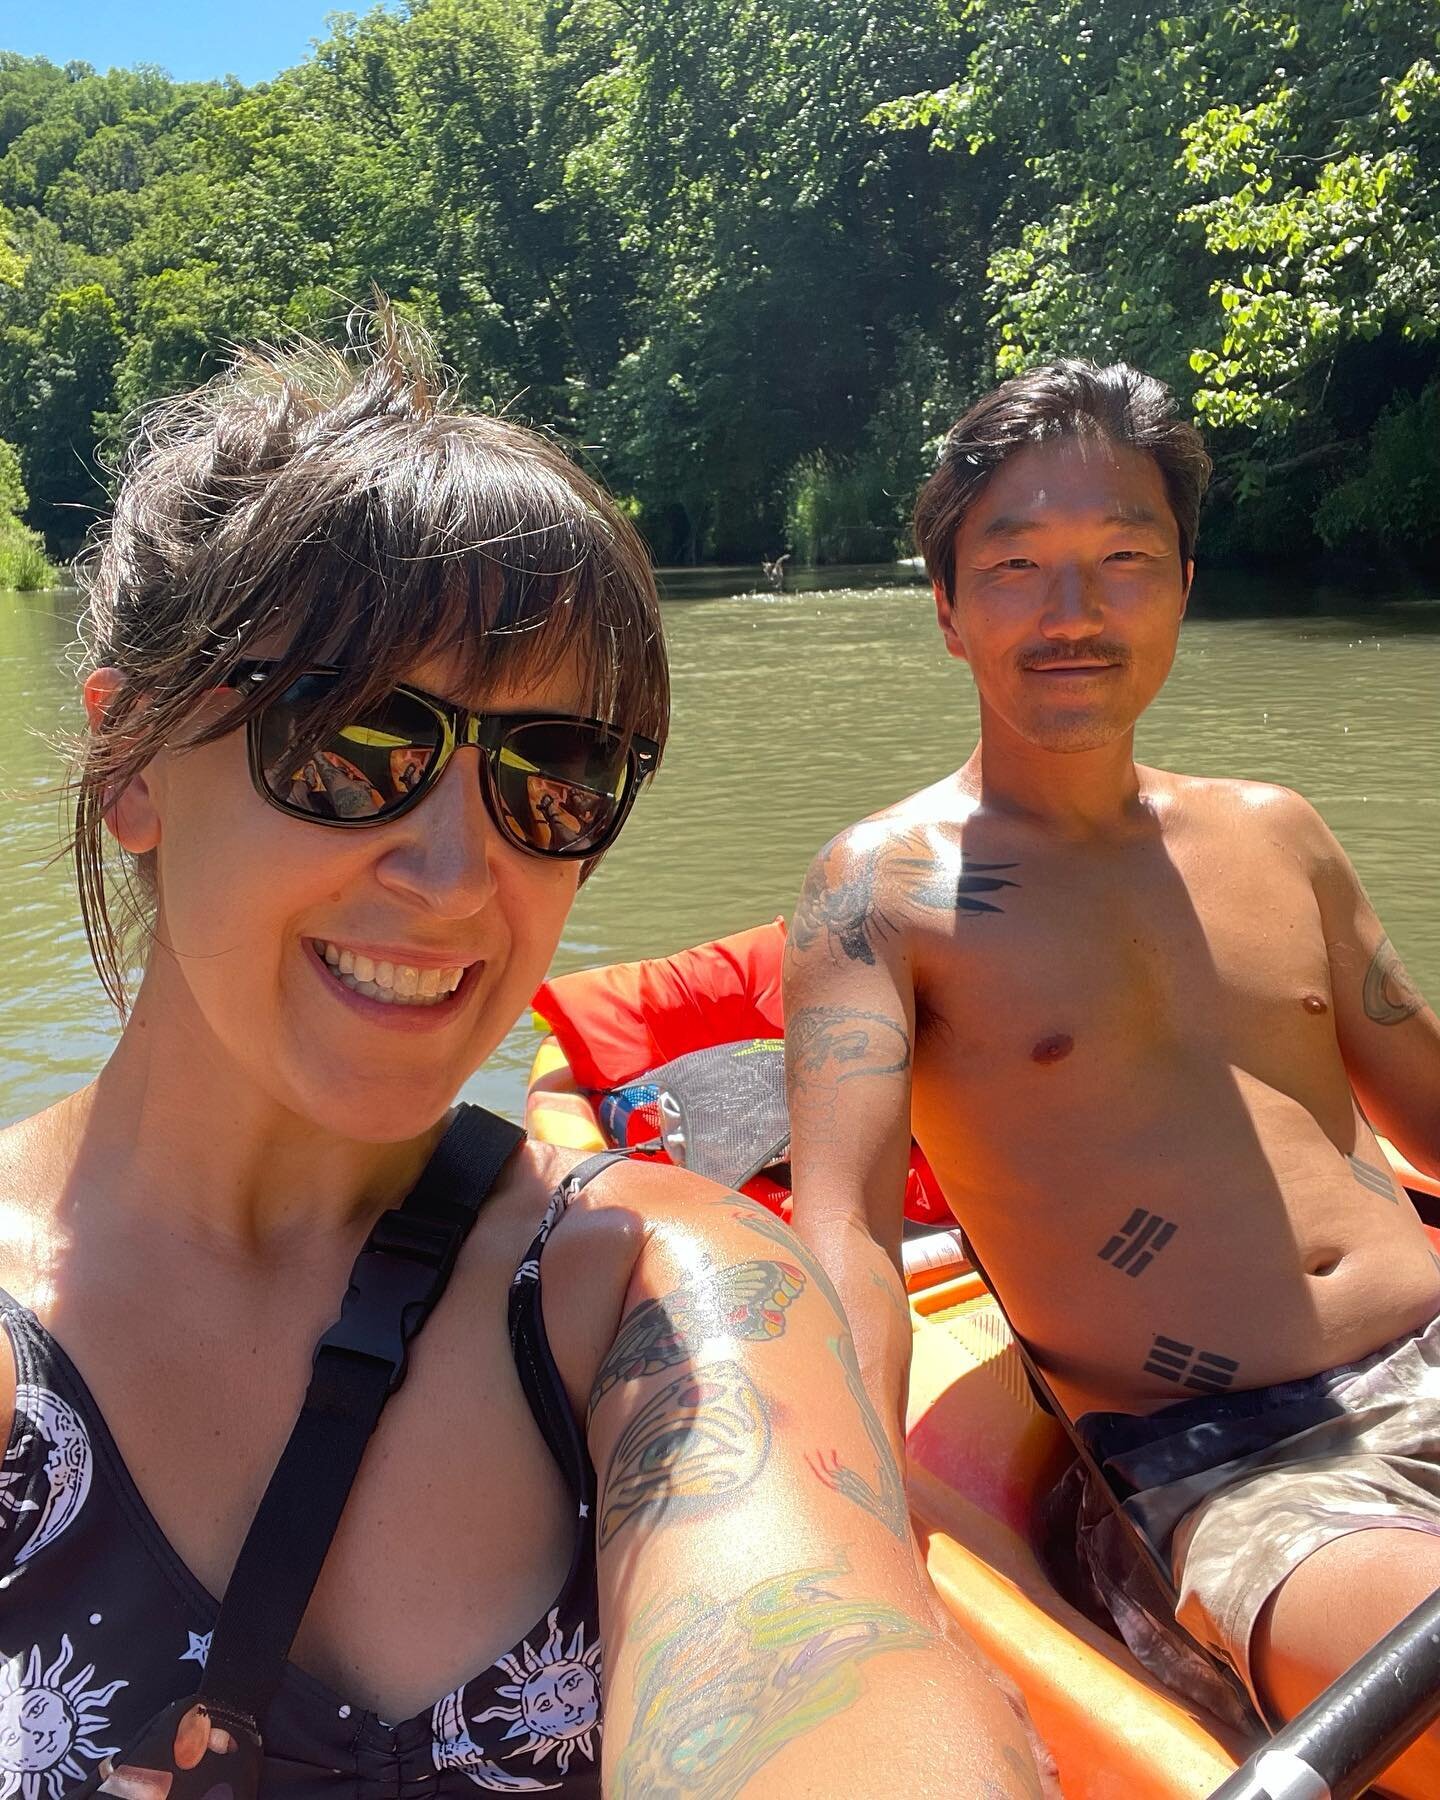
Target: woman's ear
pixel 130 814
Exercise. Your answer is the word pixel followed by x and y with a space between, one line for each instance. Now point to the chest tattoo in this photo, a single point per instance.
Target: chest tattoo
pixel 840 905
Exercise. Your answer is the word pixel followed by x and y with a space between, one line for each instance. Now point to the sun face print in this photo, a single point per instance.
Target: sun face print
pixel 48 1724
pixel 51 1424
pixel 553 1695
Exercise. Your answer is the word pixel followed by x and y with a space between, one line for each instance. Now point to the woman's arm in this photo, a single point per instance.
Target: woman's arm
pixel 766 1629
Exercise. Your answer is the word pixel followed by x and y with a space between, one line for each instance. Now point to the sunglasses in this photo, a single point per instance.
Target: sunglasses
pixel 554 785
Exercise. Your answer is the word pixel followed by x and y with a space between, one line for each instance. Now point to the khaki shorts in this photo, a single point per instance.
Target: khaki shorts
pixel 1236 1491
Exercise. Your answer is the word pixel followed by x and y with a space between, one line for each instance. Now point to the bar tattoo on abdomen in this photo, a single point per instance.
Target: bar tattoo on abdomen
pixel 1377 1180
pixel 1205 1371
pixel 1138 1242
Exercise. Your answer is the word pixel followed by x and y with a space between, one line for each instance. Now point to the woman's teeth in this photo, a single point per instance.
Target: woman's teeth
pixel 393 984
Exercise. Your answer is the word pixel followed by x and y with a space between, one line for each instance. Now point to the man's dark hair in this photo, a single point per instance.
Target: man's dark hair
pixel 1070 399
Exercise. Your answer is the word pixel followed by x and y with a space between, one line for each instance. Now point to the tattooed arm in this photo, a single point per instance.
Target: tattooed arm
pixel 765 1627
pixel 849 1029
pixel 1389 1037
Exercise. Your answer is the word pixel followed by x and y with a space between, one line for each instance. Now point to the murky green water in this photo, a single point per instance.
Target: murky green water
pixel 795 714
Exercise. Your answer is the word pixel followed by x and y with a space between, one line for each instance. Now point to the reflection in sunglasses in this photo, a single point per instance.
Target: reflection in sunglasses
pixel 330 785
pixel 408 767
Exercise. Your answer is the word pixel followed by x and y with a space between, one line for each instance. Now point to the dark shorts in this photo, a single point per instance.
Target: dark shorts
pixel 1237 1490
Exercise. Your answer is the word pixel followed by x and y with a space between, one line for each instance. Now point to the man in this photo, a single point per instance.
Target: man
pixel 1141 1024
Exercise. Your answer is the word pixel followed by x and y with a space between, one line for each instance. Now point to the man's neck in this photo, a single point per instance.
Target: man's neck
pixel 1080 793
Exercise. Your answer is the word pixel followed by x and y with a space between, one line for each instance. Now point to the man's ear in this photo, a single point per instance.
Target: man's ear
pixel 945 618
pixel 1189 577
pixel 130 814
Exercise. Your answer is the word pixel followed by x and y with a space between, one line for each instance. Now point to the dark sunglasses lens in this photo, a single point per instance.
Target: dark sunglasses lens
pixel 363 769
pixel 561 784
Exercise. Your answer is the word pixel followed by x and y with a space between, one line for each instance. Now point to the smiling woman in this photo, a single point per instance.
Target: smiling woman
pixel 372 684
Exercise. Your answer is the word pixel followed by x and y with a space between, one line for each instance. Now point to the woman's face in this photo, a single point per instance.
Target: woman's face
pixel 273 935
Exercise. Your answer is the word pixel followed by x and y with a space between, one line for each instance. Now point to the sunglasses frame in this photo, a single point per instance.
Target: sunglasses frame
pixel 460 728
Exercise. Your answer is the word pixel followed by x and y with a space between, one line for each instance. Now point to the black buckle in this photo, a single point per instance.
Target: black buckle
pixel 396 1280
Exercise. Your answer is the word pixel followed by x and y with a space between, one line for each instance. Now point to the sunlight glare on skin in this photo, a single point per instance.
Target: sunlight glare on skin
pixel 691 1257
pixel 870 834
pixel 18 1231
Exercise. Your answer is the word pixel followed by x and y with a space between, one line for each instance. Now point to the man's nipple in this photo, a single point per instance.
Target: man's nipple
pixel 1314 1004
pixel 1053 1049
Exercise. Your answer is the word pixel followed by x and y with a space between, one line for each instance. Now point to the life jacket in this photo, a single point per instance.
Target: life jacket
pixel 633 1034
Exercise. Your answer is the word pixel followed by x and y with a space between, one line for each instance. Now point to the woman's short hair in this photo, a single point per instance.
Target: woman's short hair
pixel 338 505
pixel 1071 399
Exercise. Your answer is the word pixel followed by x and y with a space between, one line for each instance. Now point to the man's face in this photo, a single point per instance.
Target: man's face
pixel 1068 594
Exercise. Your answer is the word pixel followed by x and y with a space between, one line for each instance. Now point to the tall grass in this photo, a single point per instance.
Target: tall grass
pixel 23 563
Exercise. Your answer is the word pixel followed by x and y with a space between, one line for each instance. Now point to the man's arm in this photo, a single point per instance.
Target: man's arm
pixel 849 1033
pixel 1389 1037
pixel 766 1630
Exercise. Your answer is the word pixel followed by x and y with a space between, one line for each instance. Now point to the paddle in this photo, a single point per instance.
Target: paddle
pixel 1353 1731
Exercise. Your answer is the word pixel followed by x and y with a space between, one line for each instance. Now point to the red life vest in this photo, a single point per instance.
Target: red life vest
pixel 619 1023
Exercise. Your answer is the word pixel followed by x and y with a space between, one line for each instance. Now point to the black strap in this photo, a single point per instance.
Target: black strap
pixel 1149 1557
pixel 359 1362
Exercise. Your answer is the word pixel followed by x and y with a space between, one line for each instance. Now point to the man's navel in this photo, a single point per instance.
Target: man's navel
pixel 1053 1049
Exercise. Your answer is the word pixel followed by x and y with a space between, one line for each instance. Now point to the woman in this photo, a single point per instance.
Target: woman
pixel 318 568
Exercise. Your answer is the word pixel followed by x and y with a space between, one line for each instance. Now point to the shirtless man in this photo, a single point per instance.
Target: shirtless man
pixel 1142 1025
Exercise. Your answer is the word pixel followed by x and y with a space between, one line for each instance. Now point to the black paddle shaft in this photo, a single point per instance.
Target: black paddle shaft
pixel 1354 1731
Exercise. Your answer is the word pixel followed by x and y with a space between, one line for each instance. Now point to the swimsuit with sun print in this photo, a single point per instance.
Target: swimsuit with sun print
pixel 102 1625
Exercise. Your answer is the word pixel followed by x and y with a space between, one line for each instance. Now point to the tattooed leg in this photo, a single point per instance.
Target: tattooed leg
pixel 730 1684
pixel 1390 995
pixel 885 1501
pixel 747 1301
pixel 703 1437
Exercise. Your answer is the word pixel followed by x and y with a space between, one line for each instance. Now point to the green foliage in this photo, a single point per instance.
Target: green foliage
pixel 1389 497
pixel 13 498
pixel 756 258
pixel 1243 198
pixel 23 563
pixel 836 511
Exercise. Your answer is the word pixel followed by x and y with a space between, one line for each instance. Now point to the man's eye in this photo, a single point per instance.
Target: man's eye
pixel 1127 556
pixel 1015 562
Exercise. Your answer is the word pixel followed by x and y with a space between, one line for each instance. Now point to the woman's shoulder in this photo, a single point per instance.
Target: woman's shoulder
pixel 636 1226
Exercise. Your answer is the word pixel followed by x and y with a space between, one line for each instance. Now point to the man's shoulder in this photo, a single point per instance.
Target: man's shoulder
pixel 1209 801
pixel 935 814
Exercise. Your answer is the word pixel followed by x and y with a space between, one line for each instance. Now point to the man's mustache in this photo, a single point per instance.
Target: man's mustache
pixel 1105 650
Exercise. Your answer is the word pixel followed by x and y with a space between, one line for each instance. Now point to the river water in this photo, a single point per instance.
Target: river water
pixel 795 714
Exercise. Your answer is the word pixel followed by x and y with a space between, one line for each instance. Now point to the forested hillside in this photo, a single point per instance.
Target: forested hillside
pixel 754 257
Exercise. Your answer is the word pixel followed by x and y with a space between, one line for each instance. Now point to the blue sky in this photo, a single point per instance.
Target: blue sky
pixel 195 40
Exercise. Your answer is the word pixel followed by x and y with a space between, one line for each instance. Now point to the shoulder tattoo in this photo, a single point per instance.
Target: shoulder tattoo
pixel 840 907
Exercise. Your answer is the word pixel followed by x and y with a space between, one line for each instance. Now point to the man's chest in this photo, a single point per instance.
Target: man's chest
pixel 1107 963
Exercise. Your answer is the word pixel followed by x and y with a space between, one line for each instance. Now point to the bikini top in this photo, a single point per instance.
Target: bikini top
pixel 101 1623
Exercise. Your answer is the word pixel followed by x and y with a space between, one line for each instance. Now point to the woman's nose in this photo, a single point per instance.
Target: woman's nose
pixel 441 852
